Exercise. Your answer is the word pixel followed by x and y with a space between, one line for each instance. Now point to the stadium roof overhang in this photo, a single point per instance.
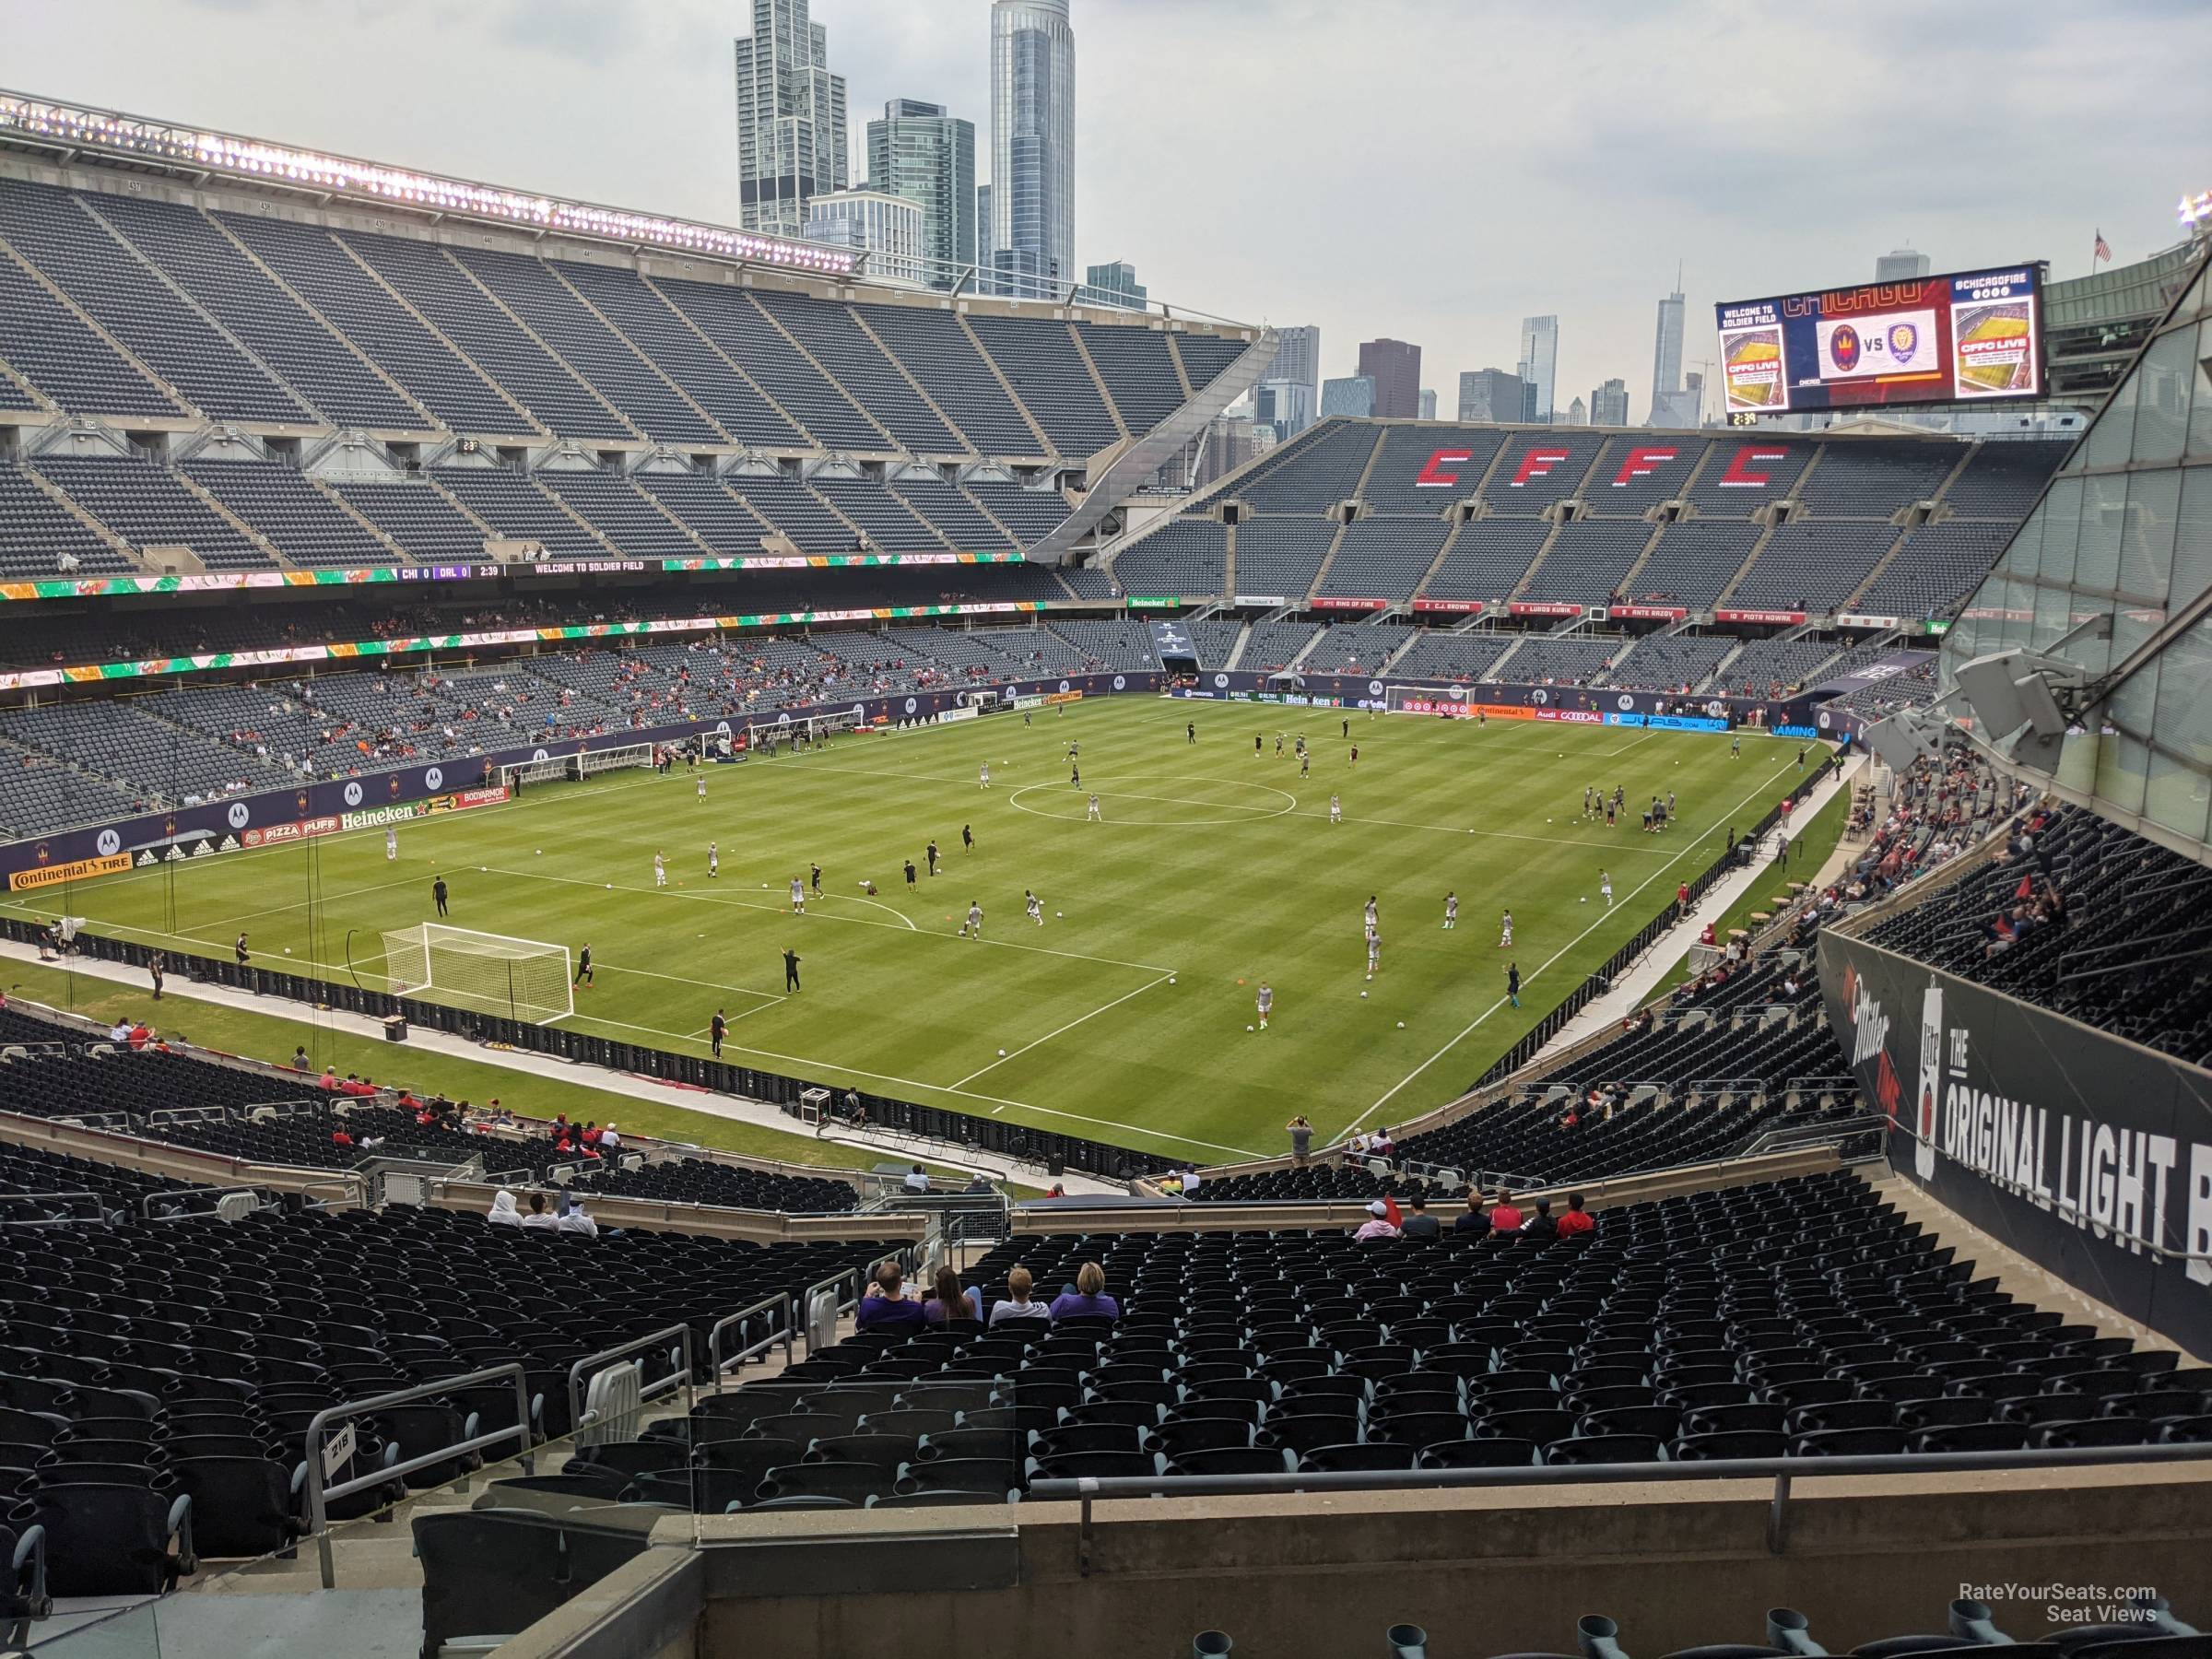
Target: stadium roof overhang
pixel 2084 660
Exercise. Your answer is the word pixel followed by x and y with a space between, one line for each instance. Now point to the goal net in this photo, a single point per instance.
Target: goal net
pixel 761 735
pixel 575 768
pixel 488 973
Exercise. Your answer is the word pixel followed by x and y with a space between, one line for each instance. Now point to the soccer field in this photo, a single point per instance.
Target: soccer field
pixel 1125 1016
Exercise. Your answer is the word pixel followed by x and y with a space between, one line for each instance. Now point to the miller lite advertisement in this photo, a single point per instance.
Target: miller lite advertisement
pixel 1966 335
pixel 2089 1155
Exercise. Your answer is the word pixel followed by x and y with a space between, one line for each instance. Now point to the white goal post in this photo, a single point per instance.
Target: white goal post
pixel 487 973
pixel 810 730
pixel 575 768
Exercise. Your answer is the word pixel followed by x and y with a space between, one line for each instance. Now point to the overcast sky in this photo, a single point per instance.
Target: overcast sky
pixel 1430 171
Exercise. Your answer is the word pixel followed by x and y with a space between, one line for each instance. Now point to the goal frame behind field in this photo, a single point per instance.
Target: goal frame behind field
pixel 814 728
pixel 574 769
pixel 485 972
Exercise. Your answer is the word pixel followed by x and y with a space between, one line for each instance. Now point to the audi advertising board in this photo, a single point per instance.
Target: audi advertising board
pixel 1967 336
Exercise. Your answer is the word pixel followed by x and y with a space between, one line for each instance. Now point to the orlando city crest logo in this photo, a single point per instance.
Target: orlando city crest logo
pixel 1904 340
pixel 1844 347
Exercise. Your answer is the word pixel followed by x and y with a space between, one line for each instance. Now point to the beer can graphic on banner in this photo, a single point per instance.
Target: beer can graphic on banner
pixel 1930 1081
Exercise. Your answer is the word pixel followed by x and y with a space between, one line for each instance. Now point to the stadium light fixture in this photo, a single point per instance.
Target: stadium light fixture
pixel 252 159
pixel 2196 210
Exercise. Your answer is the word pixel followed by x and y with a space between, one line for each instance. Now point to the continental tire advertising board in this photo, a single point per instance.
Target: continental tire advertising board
pixel 2078 1149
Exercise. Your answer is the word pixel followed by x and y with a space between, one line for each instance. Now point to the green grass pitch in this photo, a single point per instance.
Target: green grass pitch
pixel 1122 1018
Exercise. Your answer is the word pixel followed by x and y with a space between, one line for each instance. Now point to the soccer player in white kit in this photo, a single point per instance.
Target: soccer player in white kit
pixel 703 786
pixel 1374 952
pixel 986 775
pixel 1451 909
pixel 1505 931
pixel 973 927
pixel 1092 813
pixel 798 896
pixel 713 859
pixel 660 871
pixel 1036 906
pixel 1604 885
pixel 1266 1002
pixel 1372 915
pixel 1335 810
pixel 391 844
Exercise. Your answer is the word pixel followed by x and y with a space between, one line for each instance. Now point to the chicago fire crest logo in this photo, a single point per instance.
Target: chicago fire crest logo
pixel 1844 347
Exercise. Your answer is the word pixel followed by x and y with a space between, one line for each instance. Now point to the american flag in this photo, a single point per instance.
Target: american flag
pixel 2103 250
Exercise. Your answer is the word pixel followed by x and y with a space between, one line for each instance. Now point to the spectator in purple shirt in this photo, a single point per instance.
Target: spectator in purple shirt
pixel 1087 1299
pixel 887 1307
pixel 949 1301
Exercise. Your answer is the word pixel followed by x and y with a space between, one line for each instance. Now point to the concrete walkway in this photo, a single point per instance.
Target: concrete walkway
pixel 739 1108
pixel 1647 977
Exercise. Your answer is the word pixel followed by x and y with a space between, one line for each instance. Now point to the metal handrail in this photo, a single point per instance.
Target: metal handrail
pixel 319 1495
pixel 606 1358
pixel 147 1200
pixel 1780 1470
pixel 806 1298
pixel 99 1210
pixel 770 1305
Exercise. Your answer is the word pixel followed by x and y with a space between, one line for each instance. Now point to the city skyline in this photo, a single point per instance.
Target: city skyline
pixel 794 138
pixel 1660 168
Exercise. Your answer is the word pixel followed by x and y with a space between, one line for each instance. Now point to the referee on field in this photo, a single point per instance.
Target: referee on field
pixel 790 969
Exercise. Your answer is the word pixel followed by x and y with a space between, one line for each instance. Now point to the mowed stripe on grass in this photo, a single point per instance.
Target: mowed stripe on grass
pixel 1214 866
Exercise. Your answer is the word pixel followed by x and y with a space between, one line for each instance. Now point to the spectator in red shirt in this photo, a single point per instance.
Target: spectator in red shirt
pixel 339 1137
pixel 1504 1217
pixel 1577 1220
pixel 139 1035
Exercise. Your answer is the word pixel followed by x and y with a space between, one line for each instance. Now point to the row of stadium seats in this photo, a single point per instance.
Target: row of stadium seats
pixel 2060 920
pixel 1798 1318
pixel 149 1361
pixel 2146 1630
pixel 410 337
pixel 449 512
pixel 1406 475
pixel 126 1085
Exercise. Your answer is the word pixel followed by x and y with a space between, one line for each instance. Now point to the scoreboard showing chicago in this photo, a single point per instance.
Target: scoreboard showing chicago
pixel 1966 335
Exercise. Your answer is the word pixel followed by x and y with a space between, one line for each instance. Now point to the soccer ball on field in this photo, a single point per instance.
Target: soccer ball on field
pixel 1247 1028
pixel 1171 977
pixel 1584 900
pixel 288 950
pixel 540 852
pixel 1363 994
pixel 1002 1054
pixel 1059 915
pixel 1401 1024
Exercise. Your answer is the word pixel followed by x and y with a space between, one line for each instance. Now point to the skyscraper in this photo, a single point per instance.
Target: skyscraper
pixel 1899 265
pixel 1609 403
pixel 1033 146
pixel 1491 394
pixel 1298 358
pixel 892 231
pixel 1114 283
pixel 791 118
pixel 1285 404
pixel 1667 364
pixel 1427 402
pixel 984 263
pixel 1353 395
pixel 1539 363
pixel 1395 367
pixel 1577 415
pixel 922 152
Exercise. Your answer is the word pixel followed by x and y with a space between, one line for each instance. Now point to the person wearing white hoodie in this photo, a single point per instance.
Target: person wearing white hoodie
pixel 570 1218
pixel 502 1212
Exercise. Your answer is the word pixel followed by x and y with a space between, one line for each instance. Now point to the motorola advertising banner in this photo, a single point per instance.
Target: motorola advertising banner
pixel 2075 1147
